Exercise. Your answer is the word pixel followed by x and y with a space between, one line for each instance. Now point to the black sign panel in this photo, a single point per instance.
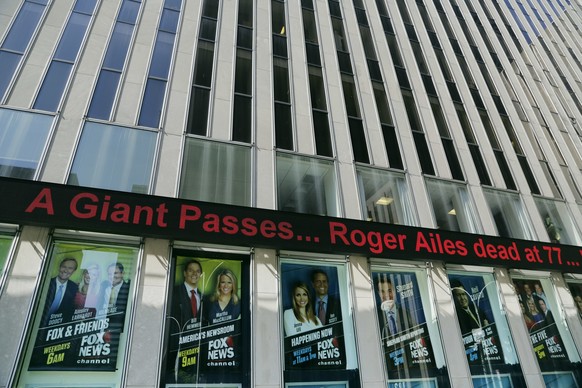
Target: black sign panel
pixel 62 206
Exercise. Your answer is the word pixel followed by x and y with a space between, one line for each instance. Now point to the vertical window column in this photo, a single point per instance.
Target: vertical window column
pixel 115 61
pixel 281 86
pixel 157 81
pixel 57 77
pixel 203 69
pixel 243 81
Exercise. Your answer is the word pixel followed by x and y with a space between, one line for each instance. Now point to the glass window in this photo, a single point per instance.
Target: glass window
pixel 558 222
pixel 104 95
pixel 409 330
pixel 306 185
pixel 112 157
pixel 243 80
pixel 80 322
pixel 385 196
pixel 317 89
pixel 323 144
pixel 53 86
pixel 20 33
pixel 153 99
pixel 8 64
pixel 508 214
pixel 242 119
pixel 129 11
pixel 452 206
pixel 208 322
pixel 23 137
pixel 198 113
pixel 318 335
pixel 5 246
pixel 162 55
pixel 550 338
pixel 118 46
pixel 281 80
pixel 85 6
pixel 169 21
pixel 216 172
pixel 204 60
pixel 72 37
pixel 576 289
pixel 488 344
pixel 283 126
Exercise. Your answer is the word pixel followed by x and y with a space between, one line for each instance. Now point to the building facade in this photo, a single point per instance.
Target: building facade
pixel 274 193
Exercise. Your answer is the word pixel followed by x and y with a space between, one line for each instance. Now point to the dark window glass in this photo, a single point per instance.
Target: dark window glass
pixel 429 85
pixel 53 86
pixel 317 90
pixel 278 17
pixel 387 24
pixel 283 126
pixel 160 66
pixel 361 16
pixel 489 130
pixel 418 54
pixel 8 64
pixel 243 82
pixel 169 21
pixel 465 125
pixel 198 114
pixel 334 9
pixel 204 60
pixel 118 46
pixel 529 176
pixel 72 37
pixel 411 32
pixel 392 148
pixel 477 98
pixel 368 43
pixel 350 97
pixel 505 171
pixel 423 153
pixel 309 26
pixel 453 159
pixel 312 51
pixel 128 12
pixel 153 99
pixel 242 120
pixel 85 6
pixel 341 43
pixel 210 9
pixel 345 63
pixel 281 80
pixel 359 145
pixel 208 29
pixel 455 95
pixel 307 4
pixel 244 38
pixel 411 112
pixel 439 117
pixel 374 69
pixel 382 104
pixel 394 52
pixel 104 95
pixel 322 134
pixel 499 104
pixel 21 31
pixel 402 77
pixel 245 13
pixel 279 46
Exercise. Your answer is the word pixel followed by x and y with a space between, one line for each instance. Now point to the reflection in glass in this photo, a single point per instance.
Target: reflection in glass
pixel 509 215
pixel 485 333
pixel 558 222
pixel 576 289
pixel 452 206
pixel 113 157
pixel 216 172
pixel 385 196
pixel 23 136
pixel 551 339
pixel 409 330
pixel 306 185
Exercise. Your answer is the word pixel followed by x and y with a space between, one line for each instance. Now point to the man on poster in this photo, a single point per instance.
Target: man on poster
pixel 61 294
pixel 326 307
pixel 392 318
pixel 470 317
pixel 187 299
pixel 115 293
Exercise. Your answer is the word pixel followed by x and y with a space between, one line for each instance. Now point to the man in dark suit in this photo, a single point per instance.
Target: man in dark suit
pixel 392 318
pixel 469 316
pixel 115 293
pixel 326 307
pixel 60 298
pixel 187 299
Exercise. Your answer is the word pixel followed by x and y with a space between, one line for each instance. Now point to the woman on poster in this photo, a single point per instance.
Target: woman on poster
pixel 300 318
pixel 225 304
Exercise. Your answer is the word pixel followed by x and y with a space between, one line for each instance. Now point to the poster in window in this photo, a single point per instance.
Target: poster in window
pixel 83 309
pixel 538 314
pixel 576 289
pixel 204 321
pixel 478 327
pixel 312 317
pixel 404 332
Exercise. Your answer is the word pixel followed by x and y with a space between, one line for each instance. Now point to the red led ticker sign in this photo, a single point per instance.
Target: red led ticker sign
pixel 74 207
